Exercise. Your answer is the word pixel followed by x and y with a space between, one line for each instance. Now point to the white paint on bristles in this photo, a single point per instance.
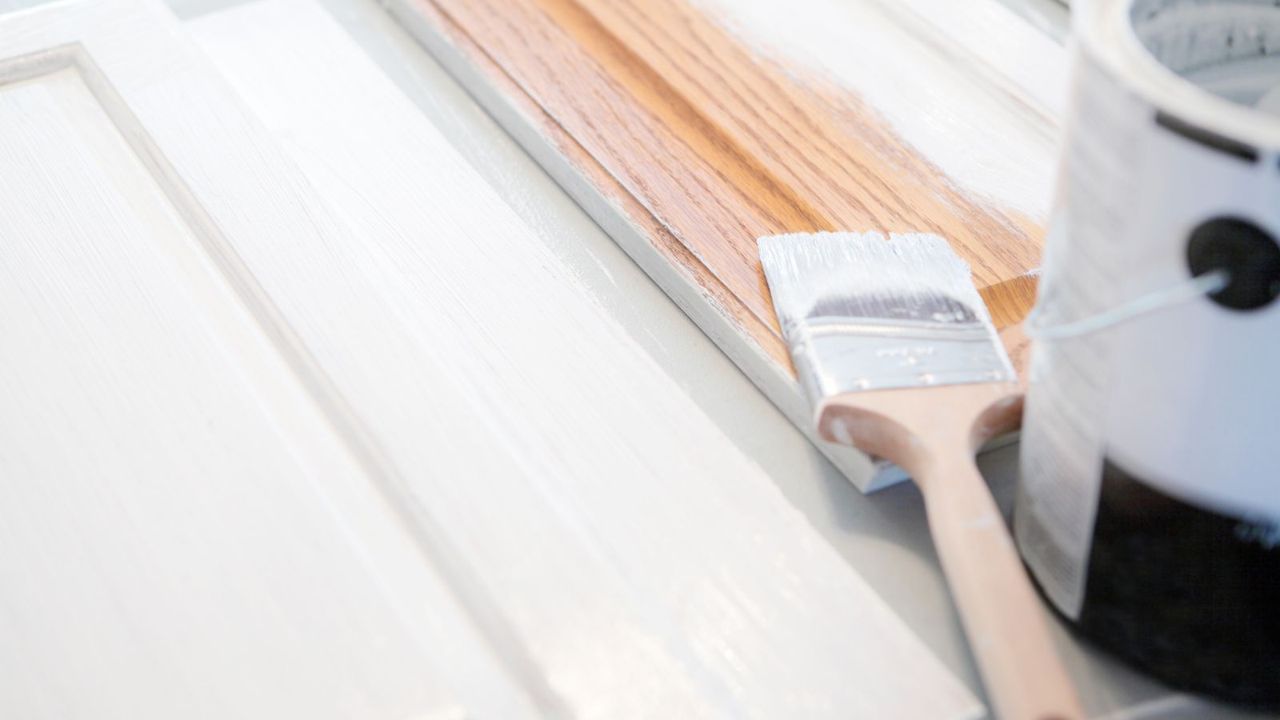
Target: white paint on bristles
pixel 271 457
pixel 860 311
pixel 866 273
pixel 974 88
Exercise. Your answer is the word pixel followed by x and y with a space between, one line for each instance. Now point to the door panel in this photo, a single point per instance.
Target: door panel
pixel 184 530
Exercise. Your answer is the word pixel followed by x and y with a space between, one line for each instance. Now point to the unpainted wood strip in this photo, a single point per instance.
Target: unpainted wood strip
pixel 844 161
pixel 721 145
pixel 755 347
pixel 597 109
pixel 590 181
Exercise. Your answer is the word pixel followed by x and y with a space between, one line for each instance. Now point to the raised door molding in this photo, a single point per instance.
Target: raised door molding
pixel 188 528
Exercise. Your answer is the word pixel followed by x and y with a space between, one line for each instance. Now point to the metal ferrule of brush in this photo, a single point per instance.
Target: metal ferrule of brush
pixel 834 355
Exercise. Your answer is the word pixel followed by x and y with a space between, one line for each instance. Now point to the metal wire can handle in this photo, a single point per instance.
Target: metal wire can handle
pixel 1036 328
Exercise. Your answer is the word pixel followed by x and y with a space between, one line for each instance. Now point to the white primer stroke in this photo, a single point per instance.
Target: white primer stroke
pixel 182 532
pixel 973 87
pixel 647 565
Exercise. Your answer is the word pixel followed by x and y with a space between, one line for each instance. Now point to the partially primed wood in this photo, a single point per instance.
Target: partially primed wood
pixel 687 145
pixel 646 240
pixel 933 432
pixel 183 531
pixel 644 563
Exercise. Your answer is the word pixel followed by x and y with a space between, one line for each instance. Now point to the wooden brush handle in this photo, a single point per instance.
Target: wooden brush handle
pixel 932 433
pixel 1002 616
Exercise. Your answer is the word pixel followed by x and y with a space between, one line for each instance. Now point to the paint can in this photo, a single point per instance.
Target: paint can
pixel 1148 508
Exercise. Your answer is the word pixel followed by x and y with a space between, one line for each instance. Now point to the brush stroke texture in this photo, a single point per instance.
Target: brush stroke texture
pixel 973 87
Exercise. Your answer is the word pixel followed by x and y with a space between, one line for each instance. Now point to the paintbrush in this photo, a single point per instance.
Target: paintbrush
pixel 898 357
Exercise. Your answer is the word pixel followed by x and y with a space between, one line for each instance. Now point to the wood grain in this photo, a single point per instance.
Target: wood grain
pixel 688 144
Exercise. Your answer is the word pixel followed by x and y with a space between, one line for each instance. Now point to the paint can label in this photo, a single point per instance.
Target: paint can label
pixel 1062 441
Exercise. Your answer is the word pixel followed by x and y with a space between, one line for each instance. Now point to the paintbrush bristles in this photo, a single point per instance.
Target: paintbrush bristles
pixel 861 312
pixel 873 276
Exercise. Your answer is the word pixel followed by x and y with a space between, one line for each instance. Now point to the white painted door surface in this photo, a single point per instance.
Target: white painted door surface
pixel 183 531
pixel 165 547
pixel 327 432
